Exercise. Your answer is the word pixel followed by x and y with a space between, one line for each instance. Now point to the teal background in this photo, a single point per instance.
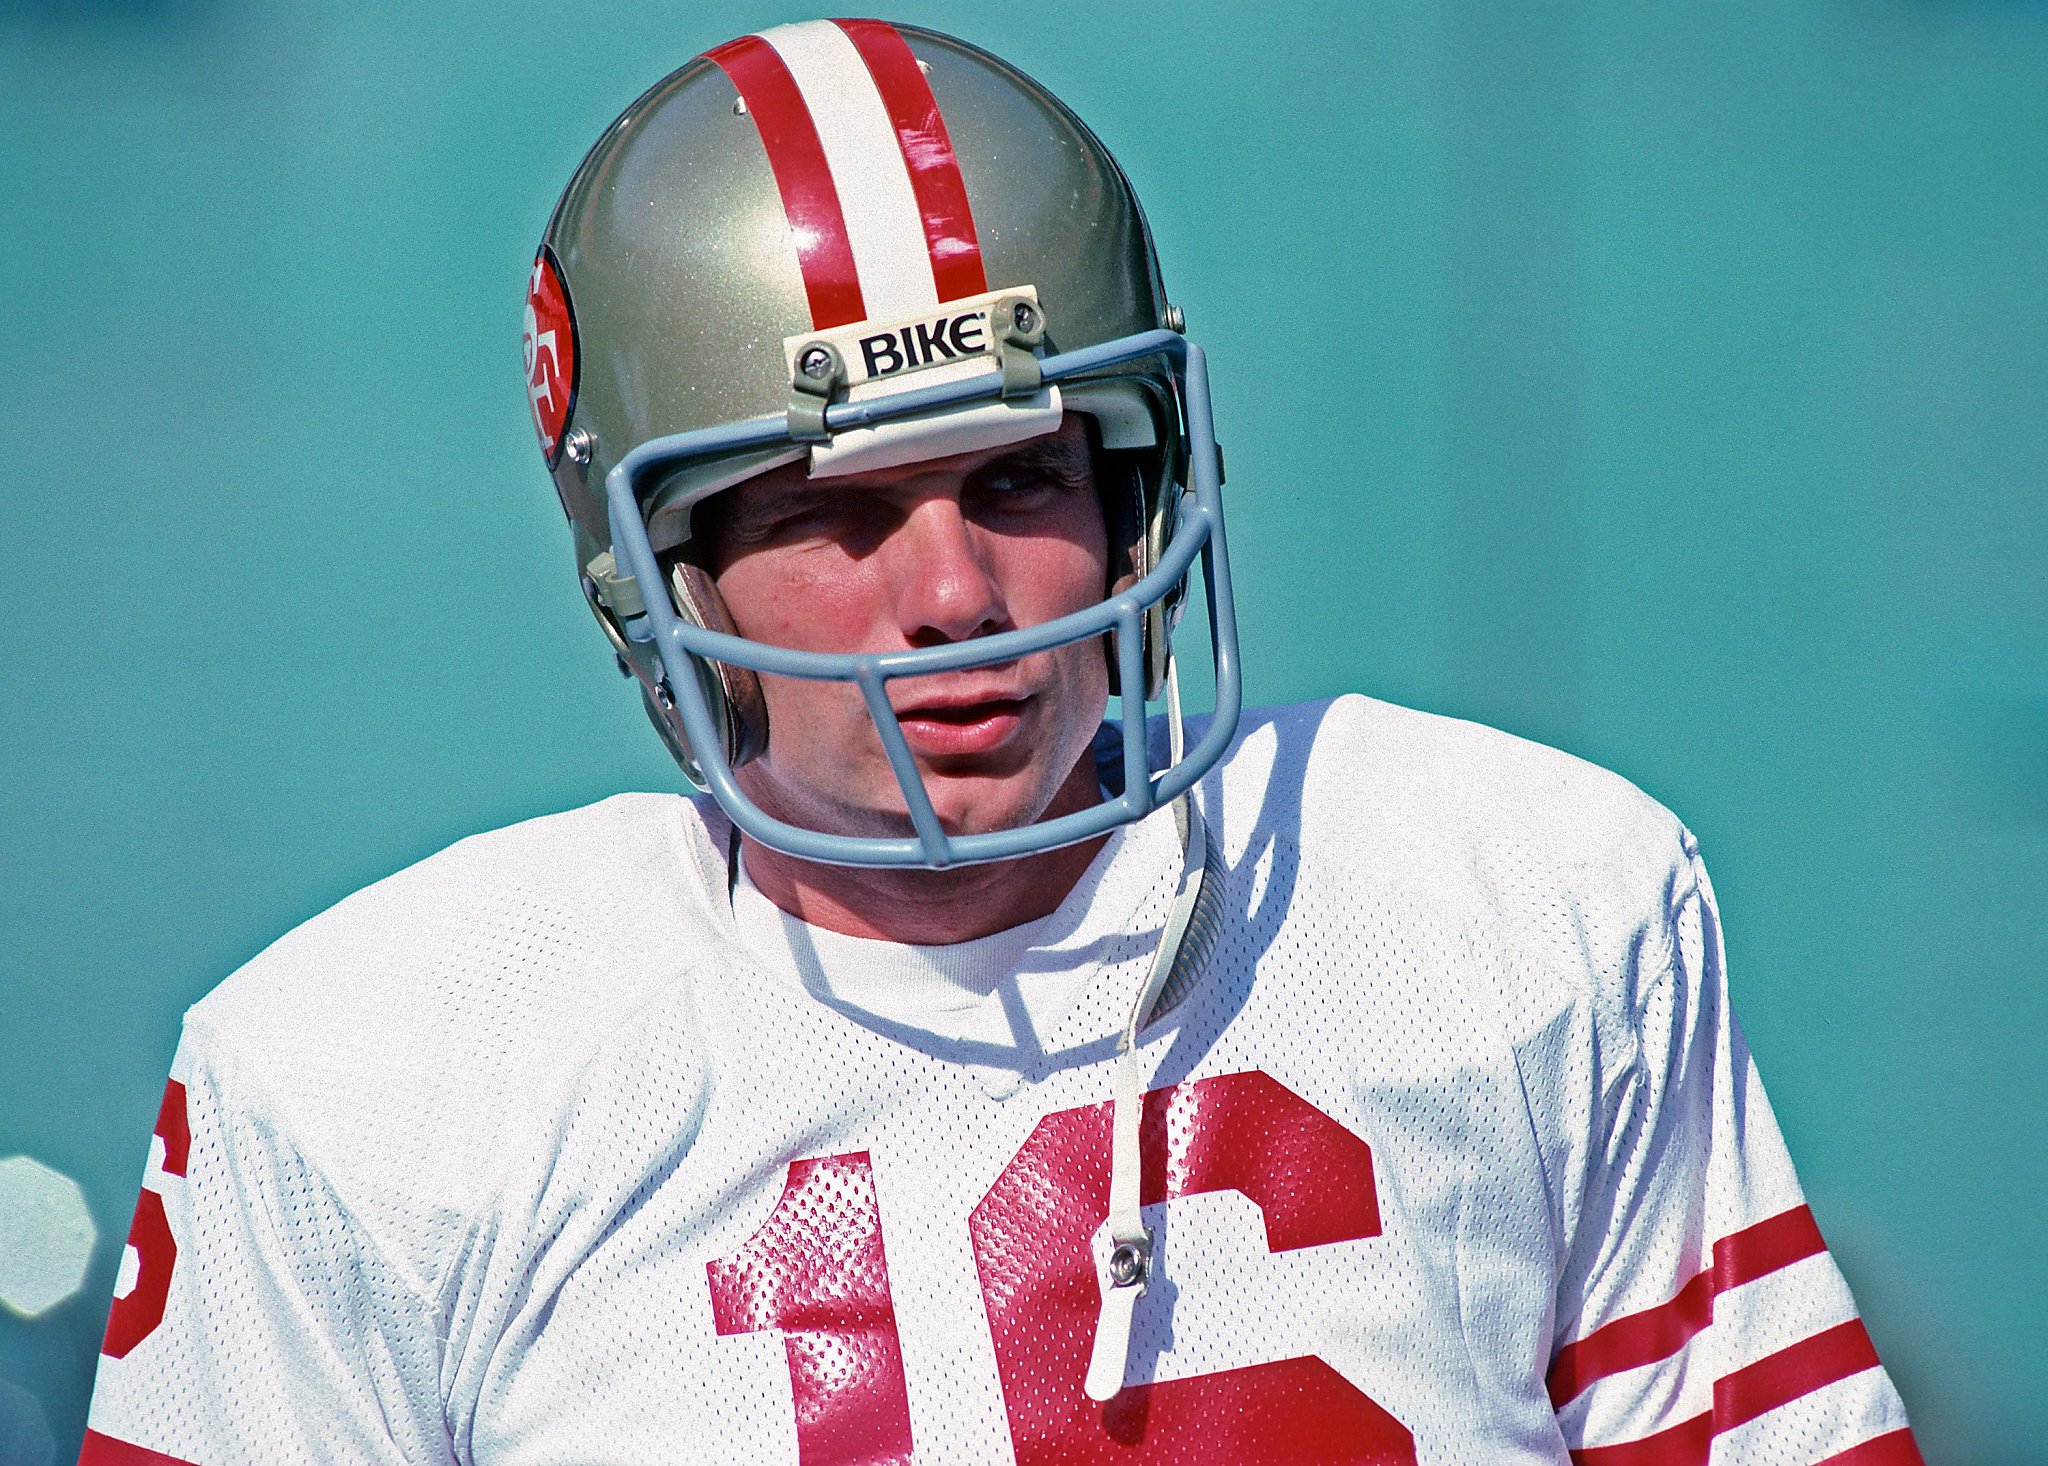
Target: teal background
pixel 1666 382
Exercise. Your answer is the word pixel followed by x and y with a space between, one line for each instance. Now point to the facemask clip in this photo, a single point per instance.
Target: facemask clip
pixel 1016 326
pixel 819 374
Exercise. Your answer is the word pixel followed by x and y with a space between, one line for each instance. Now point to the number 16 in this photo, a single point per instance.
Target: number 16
pixel 815 1272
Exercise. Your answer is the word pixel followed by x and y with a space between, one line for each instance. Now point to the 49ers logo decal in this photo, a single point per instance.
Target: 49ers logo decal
pixel 549 347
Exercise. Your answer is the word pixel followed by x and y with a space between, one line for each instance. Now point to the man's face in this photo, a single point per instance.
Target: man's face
pixel 922 555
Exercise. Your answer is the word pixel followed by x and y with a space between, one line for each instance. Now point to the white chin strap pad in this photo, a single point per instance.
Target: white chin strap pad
pixel 1112 1347
pixel 968 429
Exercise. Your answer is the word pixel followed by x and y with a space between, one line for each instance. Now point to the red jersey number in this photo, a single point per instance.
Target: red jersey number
pixel 815 1273
pixel 1247 1133
pixel 136 1314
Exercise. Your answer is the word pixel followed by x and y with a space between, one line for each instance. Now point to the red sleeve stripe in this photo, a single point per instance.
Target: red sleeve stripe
pixel 927 149
pixel 1757 1389
pixel 104 1450
pixel 172 1125
pixel 1895 1448
pixel 1780 1378
pixel 1657 1333
pixel 810 200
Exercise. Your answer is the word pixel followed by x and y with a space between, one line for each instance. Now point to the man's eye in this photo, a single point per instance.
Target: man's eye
pixel 851 521
pixel 800 521
pixel 1010 486
pixel 791 521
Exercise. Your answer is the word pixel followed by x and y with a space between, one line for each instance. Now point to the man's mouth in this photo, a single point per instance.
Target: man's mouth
pixel 954 726
pixel 965 712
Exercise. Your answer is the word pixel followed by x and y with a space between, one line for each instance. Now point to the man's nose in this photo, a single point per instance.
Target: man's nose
pixel 947 588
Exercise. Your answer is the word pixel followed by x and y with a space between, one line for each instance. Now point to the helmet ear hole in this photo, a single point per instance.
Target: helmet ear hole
pixel 736 690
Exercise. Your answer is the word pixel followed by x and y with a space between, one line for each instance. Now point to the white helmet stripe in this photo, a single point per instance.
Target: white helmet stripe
pixel 883 223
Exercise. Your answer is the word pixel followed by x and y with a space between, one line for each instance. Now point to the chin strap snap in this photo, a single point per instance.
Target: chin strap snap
pixel 1130 1255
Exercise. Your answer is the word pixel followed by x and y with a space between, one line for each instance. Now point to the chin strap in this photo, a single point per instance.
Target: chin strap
pixel 1130 1255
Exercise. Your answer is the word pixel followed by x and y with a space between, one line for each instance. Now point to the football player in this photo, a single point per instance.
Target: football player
pixel 963 1076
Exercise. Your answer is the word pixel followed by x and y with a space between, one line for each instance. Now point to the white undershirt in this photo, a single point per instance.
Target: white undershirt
pixel 991 1003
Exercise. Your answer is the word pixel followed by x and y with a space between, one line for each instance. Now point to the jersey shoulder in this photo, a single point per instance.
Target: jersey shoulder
pixel 1561 878
pixel 1462 790
pixel 404 1038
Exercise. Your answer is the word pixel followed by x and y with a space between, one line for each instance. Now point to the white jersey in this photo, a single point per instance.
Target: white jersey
pixel 533 1154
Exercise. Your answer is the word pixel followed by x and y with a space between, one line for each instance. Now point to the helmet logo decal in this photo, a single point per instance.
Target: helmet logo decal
pixel 872 191
pixel 549 348
pixel 927 151
pixel 923 343
pixel 954 335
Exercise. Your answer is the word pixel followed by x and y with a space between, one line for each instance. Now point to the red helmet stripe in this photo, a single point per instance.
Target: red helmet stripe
pixel 816 222
pixel 928 153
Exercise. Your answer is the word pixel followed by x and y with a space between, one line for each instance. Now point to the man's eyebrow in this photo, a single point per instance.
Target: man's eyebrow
pixel 1046 452
pixel 767 498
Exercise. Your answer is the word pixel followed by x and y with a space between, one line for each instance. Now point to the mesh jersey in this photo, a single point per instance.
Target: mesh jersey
pixel 1455 1154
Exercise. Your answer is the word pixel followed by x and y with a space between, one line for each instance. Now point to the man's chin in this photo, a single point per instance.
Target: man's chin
pixel 961 816
pixel 979 802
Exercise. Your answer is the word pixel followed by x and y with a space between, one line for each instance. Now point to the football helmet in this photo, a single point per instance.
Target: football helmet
pixel 856 245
